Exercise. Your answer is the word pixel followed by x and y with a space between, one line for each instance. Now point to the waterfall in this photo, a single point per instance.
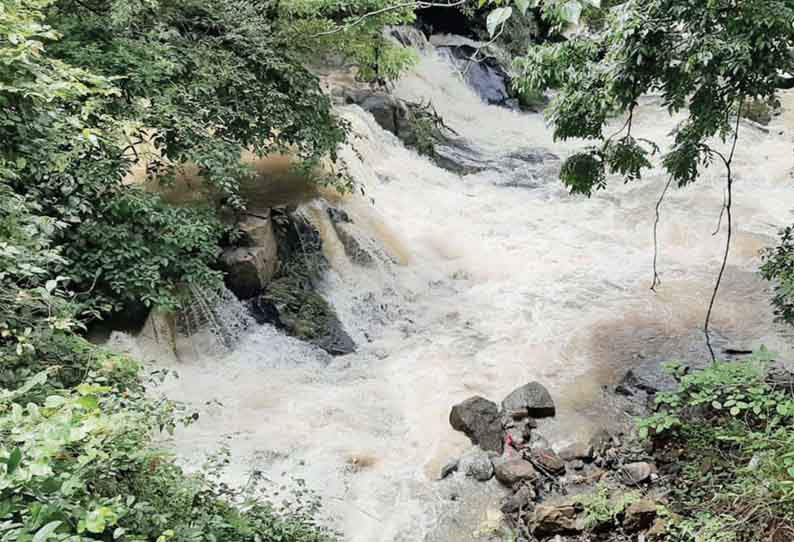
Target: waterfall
pixel 475 284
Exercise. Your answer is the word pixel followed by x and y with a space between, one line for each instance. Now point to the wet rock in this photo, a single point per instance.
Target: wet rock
pixel 640 515
pixel 477 464
pixel 521 499
pixel 577 450
pixel 448 469
pixel 552 520
pixel 339 216
pixel 510 471
pixel 353 248
pixel 248 269
pixel 479 419
pixel 636 473
pixel 531 400
pixel 387 110
pixel 547 460
pixel 577 465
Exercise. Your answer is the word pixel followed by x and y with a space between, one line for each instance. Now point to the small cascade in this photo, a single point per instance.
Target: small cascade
pixel 213 323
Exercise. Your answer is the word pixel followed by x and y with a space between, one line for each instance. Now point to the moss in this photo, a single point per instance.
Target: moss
pixel 302 311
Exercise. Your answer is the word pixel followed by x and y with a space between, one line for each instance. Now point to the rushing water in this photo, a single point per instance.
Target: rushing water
pixel 481 285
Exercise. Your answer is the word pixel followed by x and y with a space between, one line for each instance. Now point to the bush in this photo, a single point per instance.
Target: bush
pixel 733 426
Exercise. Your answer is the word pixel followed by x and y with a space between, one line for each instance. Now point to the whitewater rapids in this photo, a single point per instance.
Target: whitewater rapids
pixel 481 286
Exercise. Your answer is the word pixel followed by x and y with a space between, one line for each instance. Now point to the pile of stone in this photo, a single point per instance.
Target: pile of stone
pixel 548 489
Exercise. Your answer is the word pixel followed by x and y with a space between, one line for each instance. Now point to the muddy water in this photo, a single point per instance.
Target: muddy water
pixel 478 288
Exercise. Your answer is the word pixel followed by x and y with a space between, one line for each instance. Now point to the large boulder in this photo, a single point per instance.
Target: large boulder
pixel 532 400
pixel 251 265
pixel 512 470
pixel 479 419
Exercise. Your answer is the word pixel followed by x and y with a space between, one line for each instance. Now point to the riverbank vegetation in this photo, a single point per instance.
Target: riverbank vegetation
pixel 91 92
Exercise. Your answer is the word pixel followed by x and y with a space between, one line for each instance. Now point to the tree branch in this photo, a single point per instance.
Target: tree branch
pixel 656 279
pixel 728 213
pixel 415 4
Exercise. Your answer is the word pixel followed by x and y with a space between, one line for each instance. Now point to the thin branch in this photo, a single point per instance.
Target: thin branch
pixel 396 7
pixel 657 281
pixel 722 213
pixel 728 212
pixel 473 59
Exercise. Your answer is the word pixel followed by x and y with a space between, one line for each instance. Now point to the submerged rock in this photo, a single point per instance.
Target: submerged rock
pixel 479 419
pixel 531 400
pixel 477 464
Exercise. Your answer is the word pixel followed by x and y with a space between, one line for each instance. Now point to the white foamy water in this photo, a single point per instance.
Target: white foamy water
pixel 480 287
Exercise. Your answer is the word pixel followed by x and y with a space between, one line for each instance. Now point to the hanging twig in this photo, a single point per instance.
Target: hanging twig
pixel 396 7
pixel 722 213
pixel 729 215
pixel 656 279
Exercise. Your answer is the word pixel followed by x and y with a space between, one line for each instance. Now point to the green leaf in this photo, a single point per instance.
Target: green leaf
pixel 13 461
pixel 735 411
pixel 45 532
pixel 524 5
pixel 497 18
pixel 571 12
pixel 88 402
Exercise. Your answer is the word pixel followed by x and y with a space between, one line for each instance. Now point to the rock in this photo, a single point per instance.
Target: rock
pixel 577 450
pixel 513 470
pixel 640 515
pixel 659 530
pixel 636 473
pixel 538 442
pixel 248 269
pixel 531 400
pixel 601 441
pixel 339 216
pixel 552 520
pixel 520 500
pixel 448 469
pixel 477 464
pixel 478 418
pixel 577 464
pixel 388 112
pixel 353 248
pixel 548 460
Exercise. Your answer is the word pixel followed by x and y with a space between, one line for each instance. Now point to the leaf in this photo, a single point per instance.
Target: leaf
pixel 51 285
pixel 716 405
pixel 45 532
pixel 524 5
pixel 497 18
pixel 735 411
pixel 571 12
pixel 13 461
pixel 88 402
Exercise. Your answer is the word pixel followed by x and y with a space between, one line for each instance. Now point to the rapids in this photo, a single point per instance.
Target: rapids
pixel 481 285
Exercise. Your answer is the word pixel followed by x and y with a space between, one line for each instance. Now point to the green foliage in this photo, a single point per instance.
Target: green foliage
pixel 604 506
pixel 778 267
pixel 707 57
pixel 734 424
pixel 354 30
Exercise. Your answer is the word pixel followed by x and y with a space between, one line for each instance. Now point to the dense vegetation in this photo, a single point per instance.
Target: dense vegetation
pixel 730 427
pixel 91 92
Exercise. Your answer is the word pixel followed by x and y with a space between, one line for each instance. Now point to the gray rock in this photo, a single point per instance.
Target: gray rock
pixel 547 460
pixel 353 248
pixel 538 442
pixel 577 450
pixel 477 464
pixel 601 441
pixel 577 464
pixel 449 468
pixel 478 418
pixel 552 520
pixel 640 515
pixel 248 270
pixel 636 473
pixel 531 400
pixel 510 471
pixel 522 499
